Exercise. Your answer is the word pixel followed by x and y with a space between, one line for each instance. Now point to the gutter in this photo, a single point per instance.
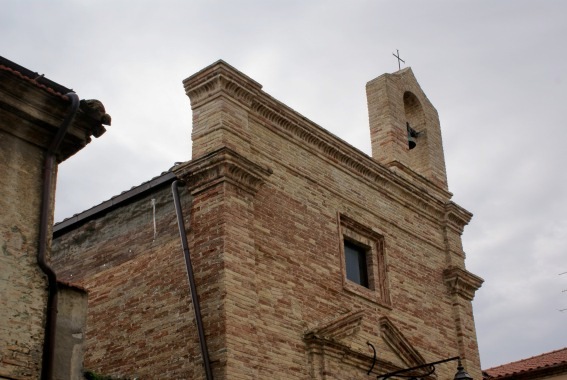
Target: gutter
pixel 46 212
pixel 189 267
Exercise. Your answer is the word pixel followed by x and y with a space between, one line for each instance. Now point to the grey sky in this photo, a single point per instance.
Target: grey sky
pixel 495 71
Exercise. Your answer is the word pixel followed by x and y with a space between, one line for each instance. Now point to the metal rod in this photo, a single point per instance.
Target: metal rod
pixel 399 372
pixel 373 358
pixel 189 267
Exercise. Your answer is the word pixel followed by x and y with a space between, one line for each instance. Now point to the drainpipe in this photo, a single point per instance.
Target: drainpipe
pixel 46 212
pixel 189 267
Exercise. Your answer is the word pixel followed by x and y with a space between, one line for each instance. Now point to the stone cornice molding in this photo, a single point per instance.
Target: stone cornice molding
pixel 428 197
pixel 419 180
pixel 457 217
pixel 223 165
pixel 218 79
pixel 462 282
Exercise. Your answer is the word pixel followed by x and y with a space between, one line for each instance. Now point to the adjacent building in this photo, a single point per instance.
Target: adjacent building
pixel 550 365
pixel 41 124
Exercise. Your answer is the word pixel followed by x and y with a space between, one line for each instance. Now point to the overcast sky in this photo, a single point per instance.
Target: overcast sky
pixel 495 71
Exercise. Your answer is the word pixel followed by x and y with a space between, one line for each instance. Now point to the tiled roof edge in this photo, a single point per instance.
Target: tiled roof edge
pixel 38 80
pixel 501 371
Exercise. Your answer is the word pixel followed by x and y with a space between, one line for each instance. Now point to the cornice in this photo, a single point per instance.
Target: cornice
pixel 33 113
pixel 217 79
pixel 462 282
pixel 427 198
pixel 457 217
pixel 221 79
pixel 223 165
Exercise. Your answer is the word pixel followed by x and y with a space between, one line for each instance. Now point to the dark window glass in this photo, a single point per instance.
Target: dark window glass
pixel 355 260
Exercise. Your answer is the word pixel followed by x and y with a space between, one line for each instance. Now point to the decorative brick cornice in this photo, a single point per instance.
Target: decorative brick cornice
pixel 462 282
pixel 457 217
pixel 217 79
pixel 222 165
pixel 426 198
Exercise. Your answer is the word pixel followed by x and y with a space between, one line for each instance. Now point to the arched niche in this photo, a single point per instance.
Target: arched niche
pixel 414 111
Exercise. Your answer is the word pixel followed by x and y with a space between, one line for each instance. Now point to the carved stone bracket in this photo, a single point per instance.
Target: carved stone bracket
pixel 222 165
pixel 462 282
pixel 457 217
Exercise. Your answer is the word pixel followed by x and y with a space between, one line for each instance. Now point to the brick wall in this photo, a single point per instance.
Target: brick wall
pixel 272 196
pixel 22 284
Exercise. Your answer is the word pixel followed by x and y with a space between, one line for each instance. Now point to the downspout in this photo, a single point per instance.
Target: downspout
pixel 45 216
pixel 189 267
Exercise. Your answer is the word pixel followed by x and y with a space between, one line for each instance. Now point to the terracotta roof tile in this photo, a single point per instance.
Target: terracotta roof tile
pixel 547 360
pixel 38 80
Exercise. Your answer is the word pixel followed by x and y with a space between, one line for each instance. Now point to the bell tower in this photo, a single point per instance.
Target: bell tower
pixel 404 126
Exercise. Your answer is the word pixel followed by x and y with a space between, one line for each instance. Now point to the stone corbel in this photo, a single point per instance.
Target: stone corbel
pixel 457 217
pixel 462 282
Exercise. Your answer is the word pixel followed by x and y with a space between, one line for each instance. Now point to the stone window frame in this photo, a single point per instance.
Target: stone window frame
pixel 374 243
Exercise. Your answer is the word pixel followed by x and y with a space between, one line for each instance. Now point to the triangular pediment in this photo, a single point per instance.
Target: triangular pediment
pixel 399 344
pixel 344 342
pixel 345 325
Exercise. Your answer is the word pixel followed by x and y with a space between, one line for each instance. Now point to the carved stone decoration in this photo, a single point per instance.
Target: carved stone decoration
pixel 222 165
pixel 462 282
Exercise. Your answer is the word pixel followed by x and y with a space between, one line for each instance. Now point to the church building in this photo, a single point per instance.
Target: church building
pixel 299 257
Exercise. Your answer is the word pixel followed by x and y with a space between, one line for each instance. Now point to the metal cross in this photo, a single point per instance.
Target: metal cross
pixel 399 59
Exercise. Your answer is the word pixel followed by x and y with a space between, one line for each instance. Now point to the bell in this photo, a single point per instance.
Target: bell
pixel 411 142
pixel 411 137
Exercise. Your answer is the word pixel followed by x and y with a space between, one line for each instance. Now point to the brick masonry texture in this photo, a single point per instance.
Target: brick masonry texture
pixel 268 196
pixel 22 284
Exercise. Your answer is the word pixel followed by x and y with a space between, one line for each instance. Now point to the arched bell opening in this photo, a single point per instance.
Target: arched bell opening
pixel 418 159
pixel 415 119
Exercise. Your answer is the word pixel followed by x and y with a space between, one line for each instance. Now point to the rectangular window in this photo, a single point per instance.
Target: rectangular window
pixel 363 261
pixel 355 260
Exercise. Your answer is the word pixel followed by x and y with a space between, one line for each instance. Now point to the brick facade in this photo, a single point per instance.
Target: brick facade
pixel 269 199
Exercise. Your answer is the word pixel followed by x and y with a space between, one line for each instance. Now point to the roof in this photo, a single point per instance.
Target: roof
pixel 114 202
pixel 38 79
pixel 548 361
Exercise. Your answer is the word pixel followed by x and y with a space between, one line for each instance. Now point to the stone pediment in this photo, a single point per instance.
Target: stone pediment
pixel 344 326
pixel 340 346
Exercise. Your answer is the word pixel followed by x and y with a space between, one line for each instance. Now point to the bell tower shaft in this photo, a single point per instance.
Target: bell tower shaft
pixel 394 102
